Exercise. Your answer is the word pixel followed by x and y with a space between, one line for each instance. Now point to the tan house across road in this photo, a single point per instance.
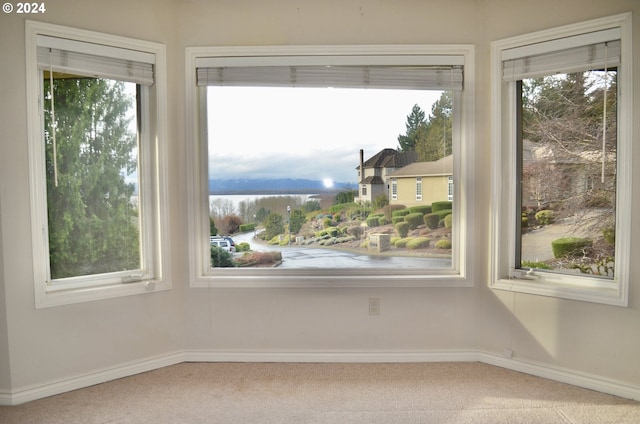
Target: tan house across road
pixel 422 183
pixel 373 174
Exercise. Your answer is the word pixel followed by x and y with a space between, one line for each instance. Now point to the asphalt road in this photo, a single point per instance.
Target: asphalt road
pixel 307 257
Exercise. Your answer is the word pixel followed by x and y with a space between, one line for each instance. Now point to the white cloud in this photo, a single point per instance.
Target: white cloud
pixel 303 133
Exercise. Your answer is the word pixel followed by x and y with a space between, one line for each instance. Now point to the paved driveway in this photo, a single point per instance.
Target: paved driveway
pixel 308 257
pixel 536 245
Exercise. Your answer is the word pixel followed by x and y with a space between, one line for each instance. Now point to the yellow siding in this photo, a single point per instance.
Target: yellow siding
pixel 434 189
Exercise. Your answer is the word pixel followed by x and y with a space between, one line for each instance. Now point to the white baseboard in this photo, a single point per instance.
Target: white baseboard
pixel 563 375
pixel 40 391
pixel 331 356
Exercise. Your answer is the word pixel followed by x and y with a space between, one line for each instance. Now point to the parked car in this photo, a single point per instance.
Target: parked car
pixel 224 242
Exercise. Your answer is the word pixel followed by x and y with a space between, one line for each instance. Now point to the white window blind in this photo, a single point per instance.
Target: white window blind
pixel 593 50
pixel 94 60
pixel 446 73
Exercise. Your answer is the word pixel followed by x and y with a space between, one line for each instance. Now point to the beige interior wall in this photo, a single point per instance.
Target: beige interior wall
pixel 581 336
pixel 63 342
pixel 57 343
pixel 5 366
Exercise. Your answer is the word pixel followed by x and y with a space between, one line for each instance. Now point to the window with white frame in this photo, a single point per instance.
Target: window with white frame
pixel 95 138
pixel 450 188
pixel 562 181
pixel 218 78
pixel 394 189
pixel 418 188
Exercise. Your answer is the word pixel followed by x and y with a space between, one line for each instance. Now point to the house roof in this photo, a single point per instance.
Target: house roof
pixel 438 167
pixel 373 180
pixel 390 158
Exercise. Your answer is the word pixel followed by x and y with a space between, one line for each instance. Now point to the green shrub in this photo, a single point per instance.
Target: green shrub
pixel 414 220
pixel 400 243
pixel 328 231
pixel 525 220
pixel 443 213
pixel 423 209
pixel 443 244
pixel 245 228
pixel 383 221
pixel 401 212
pixel 393 240
pixel 448 221
pixel 545 217
pixel 396 219
pixel 220 258
pixel 402 228
pixel 418 243
pixel 243 247
pixel 432 220
pixel 439 206
pixel 345 239
pixel 372 221
pixel 570 246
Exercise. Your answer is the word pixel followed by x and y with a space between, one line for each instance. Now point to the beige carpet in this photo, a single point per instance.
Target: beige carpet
pixel 280 393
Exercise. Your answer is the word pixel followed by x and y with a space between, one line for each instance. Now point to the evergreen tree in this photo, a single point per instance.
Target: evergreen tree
pixel 415 120
pixel 296 220
pixel 434 139
pixel 93 226
pixel 273 225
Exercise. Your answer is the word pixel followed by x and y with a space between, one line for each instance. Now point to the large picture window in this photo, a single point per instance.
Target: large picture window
pixel 289 172
pixel 94 165
pixel 564 137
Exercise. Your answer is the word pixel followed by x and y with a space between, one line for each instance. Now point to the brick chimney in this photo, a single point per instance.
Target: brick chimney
pixel 361 165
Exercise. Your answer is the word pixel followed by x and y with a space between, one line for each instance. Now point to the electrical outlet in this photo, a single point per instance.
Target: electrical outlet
pixel 374 306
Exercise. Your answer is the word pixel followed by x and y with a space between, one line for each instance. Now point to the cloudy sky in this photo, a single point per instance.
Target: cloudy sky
pixel 303 132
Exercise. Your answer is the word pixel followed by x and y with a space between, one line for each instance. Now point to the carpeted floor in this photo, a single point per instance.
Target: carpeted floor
pixel 283 393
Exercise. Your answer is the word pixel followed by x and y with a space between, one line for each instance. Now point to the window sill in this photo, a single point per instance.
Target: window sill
pixel 608 294
pixel 50 298
pixel 328 279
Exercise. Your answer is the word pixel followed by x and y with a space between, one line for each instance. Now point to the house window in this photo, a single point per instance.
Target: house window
pixel 418 188
pixel 221 79
pixel 562 121
pixel 93 164
pixel 394 189
pixel 450 188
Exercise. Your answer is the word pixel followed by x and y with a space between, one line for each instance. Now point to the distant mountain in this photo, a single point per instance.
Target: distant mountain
pixel 274 186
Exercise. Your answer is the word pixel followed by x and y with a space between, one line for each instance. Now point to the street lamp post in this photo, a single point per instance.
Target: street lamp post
pixel 289 223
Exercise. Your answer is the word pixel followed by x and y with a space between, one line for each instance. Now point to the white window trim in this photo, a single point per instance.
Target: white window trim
pixel 503 275
pixel 418 188
pixel 152 167
pixel 200 273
